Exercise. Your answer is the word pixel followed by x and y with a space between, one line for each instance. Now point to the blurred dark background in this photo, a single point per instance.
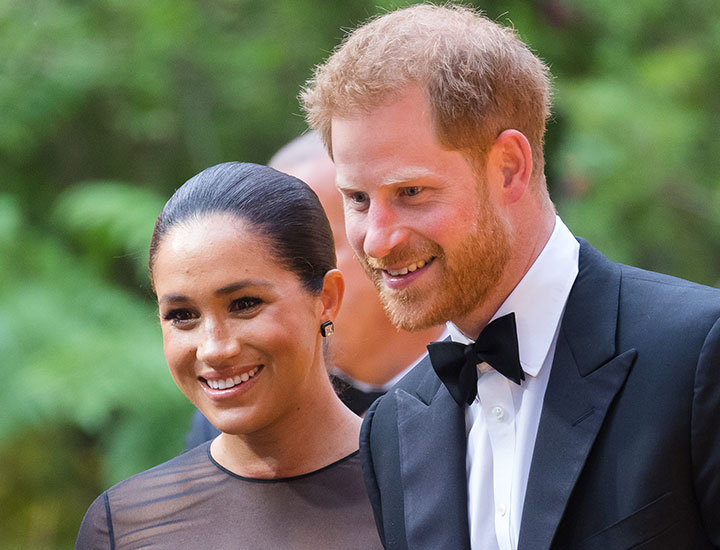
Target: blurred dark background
pixel 107 106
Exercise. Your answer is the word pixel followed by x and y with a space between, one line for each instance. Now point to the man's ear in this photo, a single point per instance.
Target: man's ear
pixel 510 165
pixel 331 294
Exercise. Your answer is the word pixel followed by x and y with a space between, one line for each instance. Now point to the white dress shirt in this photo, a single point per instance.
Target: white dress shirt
pixel 502 422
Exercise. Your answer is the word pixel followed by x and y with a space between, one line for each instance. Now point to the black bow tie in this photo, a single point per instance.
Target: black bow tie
pixel 456 364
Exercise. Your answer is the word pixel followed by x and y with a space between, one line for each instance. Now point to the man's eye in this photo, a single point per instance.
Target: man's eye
pixel 411 191
pixel 359 197
pixel 245 303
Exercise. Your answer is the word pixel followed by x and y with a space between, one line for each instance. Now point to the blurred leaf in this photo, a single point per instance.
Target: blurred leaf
pixel 10 221
pixel 99 96
pixel 79 350
pixel 111 219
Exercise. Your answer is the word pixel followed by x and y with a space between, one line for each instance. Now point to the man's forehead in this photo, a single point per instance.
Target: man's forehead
pixel 407 106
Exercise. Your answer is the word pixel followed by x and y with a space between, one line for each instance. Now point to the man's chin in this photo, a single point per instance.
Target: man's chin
pixel 409 315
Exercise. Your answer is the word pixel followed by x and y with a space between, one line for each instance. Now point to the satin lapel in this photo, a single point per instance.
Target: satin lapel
pixel 432 465
pixel 586 375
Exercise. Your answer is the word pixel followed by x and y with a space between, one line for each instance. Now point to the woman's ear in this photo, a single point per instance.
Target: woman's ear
pixel 331 294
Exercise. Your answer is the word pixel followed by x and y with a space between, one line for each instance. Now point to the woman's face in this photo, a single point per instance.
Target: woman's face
pixel 240 332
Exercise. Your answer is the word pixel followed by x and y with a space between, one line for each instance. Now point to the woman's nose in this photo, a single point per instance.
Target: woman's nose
pixel 218 345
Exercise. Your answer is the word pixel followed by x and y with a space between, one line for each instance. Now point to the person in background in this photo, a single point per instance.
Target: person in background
pixel 242 260
pixel 576 406
pixel 367 354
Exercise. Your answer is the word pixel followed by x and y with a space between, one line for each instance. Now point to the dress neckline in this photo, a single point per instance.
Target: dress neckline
pixel 275 479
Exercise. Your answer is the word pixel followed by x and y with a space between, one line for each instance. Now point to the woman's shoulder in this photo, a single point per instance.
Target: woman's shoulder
pixel 339 484
pixel 192 465
pixel 334 497
pixel 147 498
pixel 347 468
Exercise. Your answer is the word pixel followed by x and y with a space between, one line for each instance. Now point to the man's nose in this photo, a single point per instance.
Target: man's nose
pixel 218 345
pixel 384 231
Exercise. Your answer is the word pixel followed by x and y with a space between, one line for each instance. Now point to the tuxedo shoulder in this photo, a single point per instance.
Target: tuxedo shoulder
pixel 671 295
pixel 643 276
pixel 660 315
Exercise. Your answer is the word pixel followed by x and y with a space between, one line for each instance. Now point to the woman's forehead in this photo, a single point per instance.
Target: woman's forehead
pixel 206 242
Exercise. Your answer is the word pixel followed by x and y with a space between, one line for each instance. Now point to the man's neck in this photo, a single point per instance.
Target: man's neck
pixel 529 242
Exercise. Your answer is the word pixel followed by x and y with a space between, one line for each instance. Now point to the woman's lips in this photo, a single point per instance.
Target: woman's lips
pixel 227 383
pixel 225 387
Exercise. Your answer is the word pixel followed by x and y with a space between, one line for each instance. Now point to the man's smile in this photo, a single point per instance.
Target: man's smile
pixel 408 269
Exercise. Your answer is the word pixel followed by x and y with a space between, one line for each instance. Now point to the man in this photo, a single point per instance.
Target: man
pixel 582 416
pixel 367 352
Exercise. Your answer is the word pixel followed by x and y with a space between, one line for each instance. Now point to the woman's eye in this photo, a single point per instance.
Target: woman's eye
pixel 245 304
pixel 179 316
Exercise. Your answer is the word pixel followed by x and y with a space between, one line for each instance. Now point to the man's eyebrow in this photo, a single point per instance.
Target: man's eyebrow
pixel 406 175
pixel 400 176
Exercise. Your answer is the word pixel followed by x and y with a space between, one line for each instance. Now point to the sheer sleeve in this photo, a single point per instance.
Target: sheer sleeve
pixel 96 527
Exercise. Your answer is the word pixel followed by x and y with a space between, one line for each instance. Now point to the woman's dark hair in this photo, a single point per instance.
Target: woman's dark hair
pixel 282 208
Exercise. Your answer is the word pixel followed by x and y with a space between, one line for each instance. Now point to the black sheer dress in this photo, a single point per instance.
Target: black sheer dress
pixel 193 502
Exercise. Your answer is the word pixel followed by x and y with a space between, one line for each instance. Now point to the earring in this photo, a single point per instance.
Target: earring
pixel 327 328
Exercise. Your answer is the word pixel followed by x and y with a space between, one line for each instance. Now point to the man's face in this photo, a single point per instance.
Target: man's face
pixel 423 225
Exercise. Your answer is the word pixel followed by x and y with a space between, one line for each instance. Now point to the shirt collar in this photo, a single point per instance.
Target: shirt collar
pixel 539 298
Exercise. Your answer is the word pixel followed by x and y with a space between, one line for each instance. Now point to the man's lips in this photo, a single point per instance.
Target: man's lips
pixel 407 269
pixel 398 279
pixel 396 267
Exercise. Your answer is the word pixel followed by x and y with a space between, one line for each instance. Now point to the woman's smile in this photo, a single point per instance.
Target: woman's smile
pixel 230 387
pixel 229 382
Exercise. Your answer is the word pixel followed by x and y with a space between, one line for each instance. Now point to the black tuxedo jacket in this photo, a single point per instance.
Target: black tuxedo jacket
pixel 628 446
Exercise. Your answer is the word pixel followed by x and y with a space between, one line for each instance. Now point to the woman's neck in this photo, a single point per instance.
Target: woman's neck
pixel 321 432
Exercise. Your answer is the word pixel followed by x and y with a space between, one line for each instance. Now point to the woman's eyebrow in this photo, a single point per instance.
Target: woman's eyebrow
pixel 173 298
pixel 239 285
pixel 227 289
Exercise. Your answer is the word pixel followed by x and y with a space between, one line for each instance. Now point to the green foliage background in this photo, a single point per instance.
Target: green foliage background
pixel 108 106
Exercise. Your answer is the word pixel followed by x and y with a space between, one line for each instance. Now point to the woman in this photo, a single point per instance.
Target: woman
pixel 242 262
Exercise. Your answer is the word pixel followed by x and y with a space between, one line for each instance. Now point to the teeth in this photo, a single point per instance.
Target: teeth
pixel 408 269
pixel 230 382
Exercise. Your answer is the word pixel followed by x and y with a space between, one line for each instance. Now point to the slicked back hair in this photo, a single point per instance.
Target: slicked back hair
pixel 280 207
